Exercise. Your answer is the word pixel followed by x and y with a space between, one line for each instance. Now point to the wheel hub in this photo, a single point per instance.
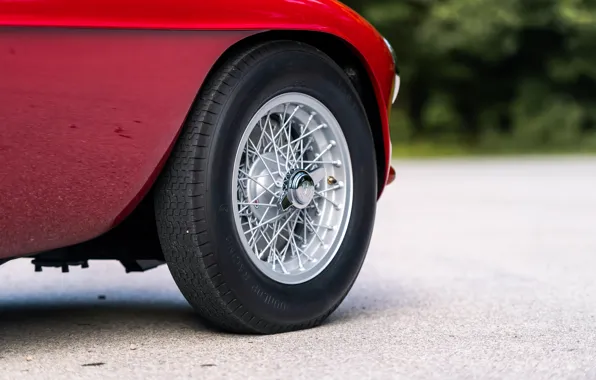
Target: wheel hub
pixel 299 190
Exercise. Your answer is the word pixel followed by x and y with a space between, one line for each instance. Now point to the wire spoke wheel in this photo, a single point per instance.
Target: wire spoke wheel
pixel 293 188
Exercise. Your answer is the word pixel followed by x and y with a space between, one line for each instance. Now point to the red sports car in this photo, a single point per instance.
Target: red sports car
pixel 245 144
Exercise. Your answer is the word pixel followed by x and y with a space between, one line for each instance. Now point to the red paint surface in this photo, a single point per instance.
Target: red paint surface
pixel 85 117
pixel 89 106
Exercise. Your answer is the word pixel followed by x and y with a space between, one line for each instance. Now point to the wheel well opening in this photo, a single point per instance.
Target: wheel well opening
pixel 347 58
pixel 141 222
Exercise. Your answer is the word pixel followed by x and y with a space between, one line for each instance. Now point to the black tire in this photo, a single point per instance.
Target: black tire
pixel 194 210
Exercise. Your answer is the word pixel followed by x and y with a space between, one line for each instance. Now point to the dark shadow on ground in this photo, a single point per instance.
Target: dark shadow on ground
pixel 24 326
pixel 30 320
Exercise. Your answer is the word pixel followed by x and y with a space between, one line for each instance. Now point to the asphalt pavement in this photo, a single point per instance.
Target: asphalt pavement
pixel 479 269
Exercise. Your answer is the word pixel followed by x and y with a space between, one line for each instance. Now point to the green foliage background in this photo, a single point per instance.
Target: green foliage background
pixel 491 76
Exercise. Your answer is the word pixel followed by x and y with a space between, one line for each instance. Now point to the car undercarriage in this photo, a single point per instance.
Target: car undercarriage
pixel 134 243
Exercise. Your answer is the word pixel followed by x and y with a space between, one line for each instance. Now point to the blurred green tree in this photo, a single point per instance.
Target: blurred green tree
pixel 507 75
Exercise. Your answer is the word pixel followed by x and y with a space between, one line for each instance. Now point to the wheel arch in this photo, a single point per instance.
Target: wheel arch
pixel 351 62
pixel 341 52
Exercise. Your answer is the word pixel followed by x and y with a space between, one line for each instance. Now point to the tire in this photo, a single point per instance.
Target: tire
pixel 194 199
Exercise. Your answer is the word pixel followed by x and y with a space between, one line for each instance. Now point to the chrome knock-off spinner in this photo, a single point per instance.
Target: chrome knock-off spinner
pixel 299 188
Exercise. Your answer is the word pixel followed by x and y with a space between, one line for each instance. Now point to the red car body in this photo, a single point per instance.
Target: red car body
pixel 93 95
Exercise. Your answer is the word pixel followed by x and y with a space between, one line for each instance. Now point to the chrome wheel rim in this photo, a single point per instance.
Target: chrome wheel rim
pixel 292 188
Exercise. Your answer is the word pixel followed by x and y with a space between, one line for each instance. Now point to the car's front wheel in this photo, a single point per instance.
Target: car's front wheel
pixel 266 207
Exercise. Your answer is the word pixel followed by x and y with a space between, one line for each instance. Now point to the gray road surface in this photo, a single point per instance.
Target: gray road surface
pixel 477 270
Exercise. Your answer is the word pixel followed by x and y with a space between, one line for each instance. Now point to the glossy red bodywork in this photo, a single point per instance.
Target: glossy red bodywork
pixel 93 94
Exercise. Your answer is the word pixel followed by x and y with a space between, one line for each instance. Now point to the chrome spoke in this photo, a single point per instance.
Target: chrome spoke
pixel 336 205
pixel 273 137
pixel 261 158
pixel 257 204
pixel 319 155
pixel 337 187
pixel 258 183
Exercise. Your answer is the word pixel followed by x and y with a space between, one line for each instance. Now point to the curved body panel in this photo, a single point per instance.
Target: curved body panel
pixel 86 117
pixel 93 95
